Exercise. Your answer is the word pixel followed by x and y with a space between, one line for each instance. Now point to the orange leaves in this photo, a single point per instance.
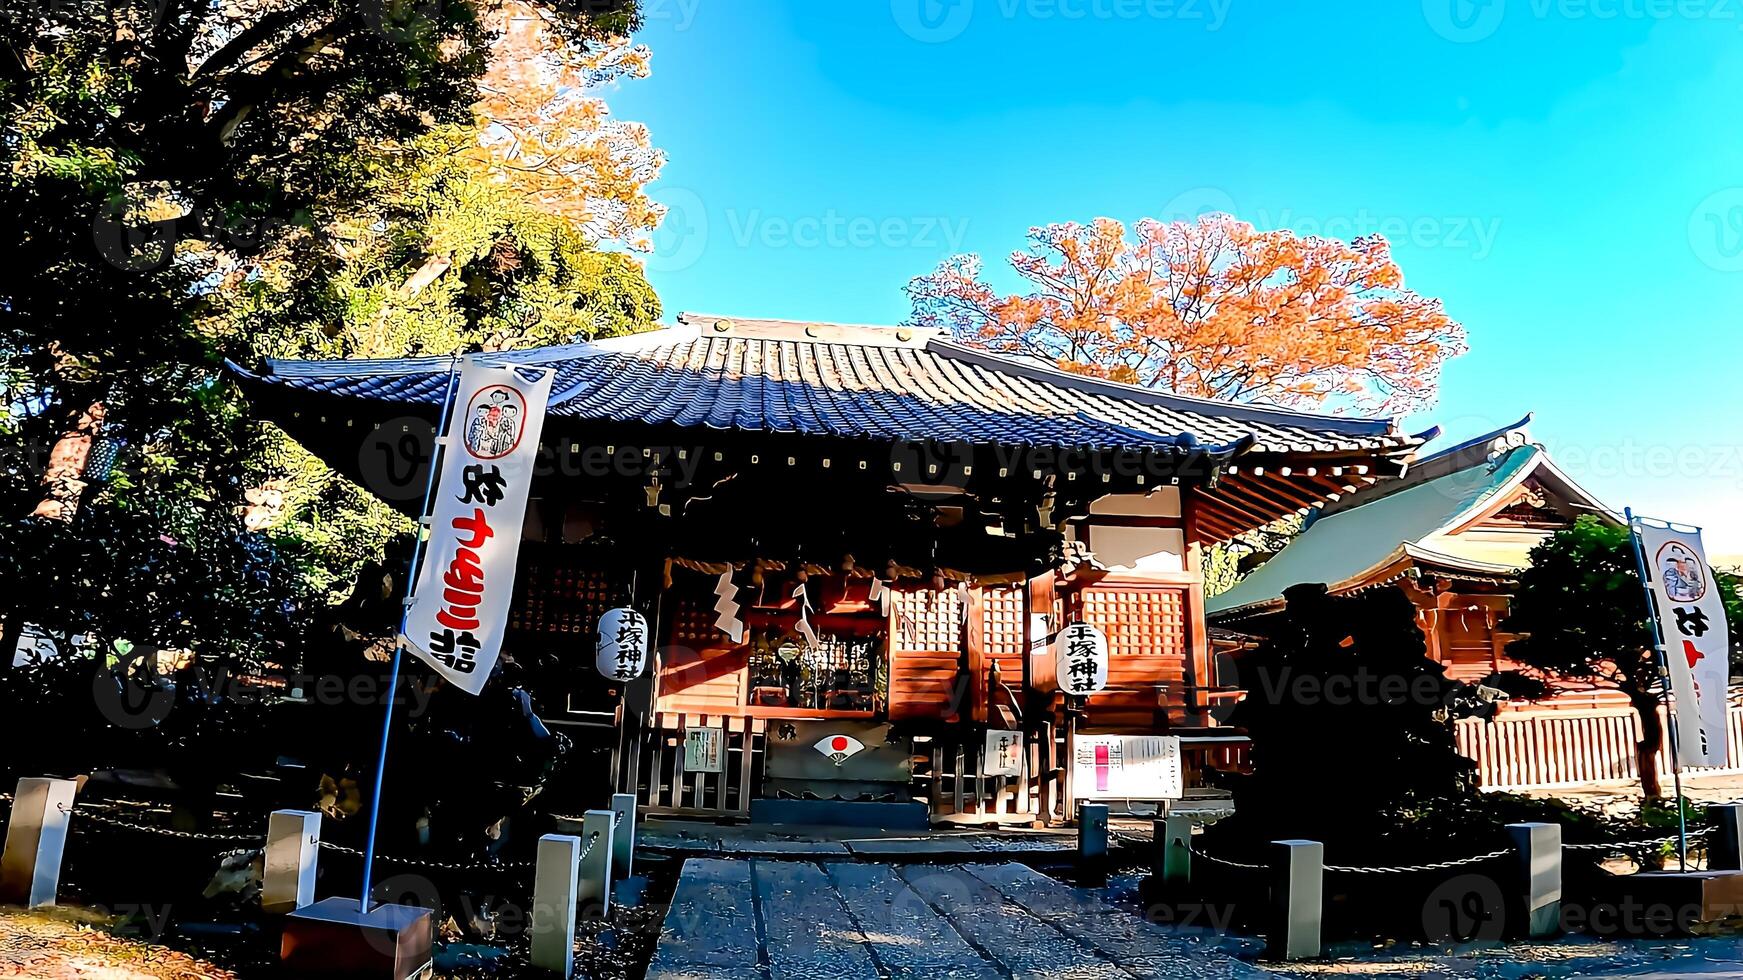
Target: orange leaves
pixel 544 133
pixel 1213 308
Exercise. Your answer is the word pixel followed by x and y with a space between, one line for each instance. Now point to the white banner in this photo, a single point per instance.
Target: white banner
pixel 1697 644
pixel 460 607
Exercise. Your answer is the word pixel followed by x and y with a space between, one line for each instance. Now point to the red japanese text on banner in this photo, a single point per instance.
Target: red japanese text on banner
pixel 460 606
pixel 1697 644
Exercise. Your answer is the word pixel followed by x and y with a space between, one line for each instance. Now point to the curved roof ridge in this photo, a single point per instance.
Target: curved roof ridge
pixel 1150 396
pixel 1476 441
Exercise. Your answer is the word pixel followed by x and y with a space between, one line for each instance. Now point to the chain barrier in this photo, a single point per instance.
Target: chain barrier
pixel 1417 868
pixel 430 863
pixel 1242 865
pixel 107 820
pixel 1628 845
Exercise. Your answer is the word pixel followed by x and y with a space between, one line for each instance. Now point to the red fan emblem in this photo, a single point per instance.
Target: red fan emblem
pixel 839 748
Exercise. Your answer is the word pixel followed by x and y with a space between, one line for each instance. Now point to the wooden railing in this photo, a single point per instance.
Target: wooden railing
pixel 663 788
pixel 958 791
pixel 1558 749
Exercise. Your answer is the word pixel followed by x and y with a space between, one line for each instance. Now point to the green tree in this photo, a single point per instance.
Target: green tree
pixel 1585 617
pixel 158 157
pixel 1351 676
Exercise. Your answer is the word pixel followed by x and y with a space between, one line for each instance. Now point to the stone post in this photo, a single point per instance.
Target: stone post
pixel 293 848
pixel 623 849
pixel 595 880
pixel 556 903
pixel 36 836
pixel 1297 900
pixel 1173 850
pixel 1092 839
pixel 1538 875
pixel 1725 845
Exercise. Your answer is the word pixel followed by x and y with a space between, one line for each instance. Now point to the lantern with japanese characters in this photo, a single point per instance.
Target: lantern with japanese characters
pixel 1080 656
pixel 623 645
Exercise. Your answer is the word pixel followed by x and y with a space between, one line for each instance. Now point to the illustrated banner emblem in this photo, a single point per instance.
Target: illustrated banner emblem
pixel 1697 643
pixel 460 605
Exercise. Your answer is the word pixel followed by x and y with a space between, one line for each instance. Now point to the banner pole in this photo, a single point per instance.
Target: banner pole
pixel 1682 828
pixel 399 640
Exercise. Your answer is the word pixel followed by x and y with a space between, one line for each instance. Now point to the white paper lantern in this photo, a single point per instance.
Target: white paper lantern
pixel 1080 658
pixel 623 645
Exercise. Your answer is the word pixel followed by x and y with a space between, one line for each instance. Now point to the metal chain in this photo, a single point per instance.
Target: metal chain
pixel 1212 858
pixel 1623 845
pixel 164 831
pixel 432 864
pixel 1412 868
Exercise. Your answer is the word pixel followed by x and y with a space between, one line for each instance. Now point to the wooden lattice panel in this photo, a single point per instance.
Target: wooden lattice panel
pixel 557 597
pixel 928 620
pixel 1148 622
pixel 1002 622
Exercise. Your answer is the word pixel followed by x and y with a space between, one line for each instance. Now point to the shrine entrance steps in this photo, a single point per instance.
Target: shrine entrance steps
pixel 789 919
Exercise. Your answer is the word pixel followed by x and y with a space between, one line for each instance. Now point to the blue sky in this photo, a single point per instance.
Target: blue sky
pixel 1567 175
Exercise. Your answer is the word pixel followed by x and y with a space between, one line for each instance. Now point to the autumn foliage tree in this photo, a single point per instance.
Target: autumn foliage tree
pixel 1213 308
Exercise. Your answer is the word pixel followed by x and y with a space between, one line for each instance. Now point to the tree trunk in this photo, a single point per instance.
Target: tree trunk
pixel 1646 750
pixel 63 481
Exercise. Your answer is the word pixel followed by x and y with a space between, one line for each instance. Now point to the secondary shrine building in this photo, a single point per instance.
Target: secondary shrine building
pixel 857 545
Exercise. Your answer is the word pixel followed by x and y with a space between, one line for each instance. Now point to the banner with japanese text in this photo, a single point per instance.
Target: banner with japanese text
pixel 460 606
pixel 1697 644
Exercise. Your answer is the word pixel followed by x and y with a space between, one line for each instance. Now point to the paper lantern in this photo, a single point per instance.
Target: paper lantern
pixel 623 645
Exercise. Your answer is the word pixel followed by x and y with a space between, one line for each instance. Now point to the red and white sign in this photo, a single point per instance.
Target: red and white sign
pixel 459 608
pixel 839 748
pixel 1127 767
pixel 1697 642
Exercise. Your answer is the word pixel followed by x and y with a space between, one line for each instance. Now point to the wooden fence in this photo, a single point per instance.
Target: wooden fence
pixel 1558 749
pixel 663 788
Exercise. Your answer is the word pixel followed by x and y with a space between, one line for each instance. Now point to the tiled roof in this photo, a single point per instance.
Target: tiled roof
pixel 877 383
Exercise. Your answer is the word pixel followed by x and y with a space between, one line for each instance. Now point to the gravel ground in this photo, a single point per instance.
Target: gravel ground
pixel 68 944
pixel 1569 957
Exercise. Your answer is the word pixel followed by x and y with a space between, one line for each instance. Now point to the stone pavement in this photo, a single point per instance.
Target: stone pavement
pixel 776 920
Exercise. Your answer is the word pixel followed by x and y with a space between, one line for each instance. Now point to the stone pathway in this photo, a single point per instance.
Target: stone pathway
pixel 776 920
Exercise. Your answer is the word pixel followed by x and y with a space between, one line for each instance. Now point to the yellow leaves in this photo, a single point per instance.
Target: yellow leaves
pixel 1212 308
pixel 545 136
